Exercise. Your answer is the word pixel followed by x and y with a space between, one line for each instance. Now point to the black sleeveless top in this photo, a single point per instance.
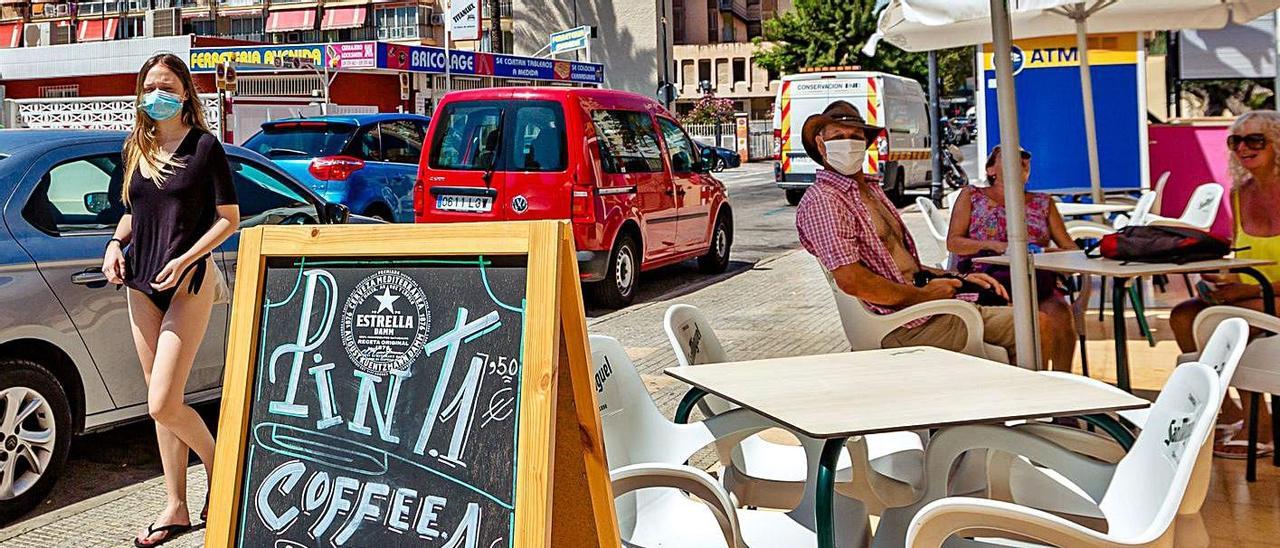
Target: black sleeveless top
pixel 169 218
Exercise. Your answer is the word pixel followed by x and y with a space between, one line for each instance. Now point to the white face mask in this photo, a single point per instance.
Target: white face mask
pixel 846 155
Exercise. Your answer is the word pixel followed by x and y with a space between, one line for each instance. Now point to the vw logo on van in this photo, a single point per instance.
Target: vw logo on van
pixel 519 204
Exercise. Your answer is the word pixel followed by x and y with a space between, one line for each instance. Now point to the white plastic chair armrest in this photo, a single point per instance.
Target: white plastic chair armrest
pixel 1087 229
pixel 687 478
pixel 967 312
pixel 1084 442
pixel 959 515
pixel 731 427
pixel 1156 220
pixel 1091 475
pixel 1208 319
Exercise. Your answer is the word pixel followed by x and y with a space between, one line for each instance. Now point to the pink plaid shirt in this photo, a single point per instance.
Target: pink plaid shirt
pixel 836 227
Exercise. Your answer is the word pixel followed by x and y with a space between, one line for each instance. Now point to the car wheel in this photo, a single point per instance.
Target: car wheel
pixel 618 288
pixel 717 258
pixel 794 195
pixel 35 422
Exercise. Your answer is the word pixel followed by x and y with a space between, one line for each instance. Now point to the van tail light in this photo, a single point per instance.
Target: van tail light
pixel 419 195
pixel 584 204
pixel 335 168
pixel 777 144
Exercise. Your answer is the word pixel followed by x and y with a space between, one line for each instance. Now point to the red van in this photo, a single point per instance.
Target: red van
pixel 615 163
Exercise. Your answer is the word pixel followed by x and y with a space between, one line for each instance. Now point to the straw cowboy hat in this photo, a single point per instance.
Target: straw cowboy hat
pixel 839 112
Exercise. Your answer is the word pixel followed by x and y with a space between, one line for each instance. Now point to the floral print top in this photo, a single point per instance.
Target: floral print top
pixel 987 221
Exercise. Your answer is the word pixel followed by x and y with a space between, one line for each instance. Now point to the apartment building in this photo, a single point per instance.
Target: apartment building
pixel 34 23
pixel 713 51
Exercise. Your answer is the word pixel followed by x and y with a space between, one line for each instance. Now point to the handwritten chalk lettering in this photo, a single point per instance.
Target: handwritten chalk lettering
pixel 449 342
pixel 368 504
pixel 304 343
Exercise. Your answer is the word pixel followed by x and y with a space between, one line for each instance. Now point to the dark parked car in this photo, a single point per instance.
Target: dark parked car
pixel 67 361
pixel 367 162
pixel 725 158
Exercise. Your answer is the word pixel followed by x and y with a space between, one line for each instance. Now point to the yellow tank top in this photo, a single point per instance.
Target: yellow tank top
pixel 1259 247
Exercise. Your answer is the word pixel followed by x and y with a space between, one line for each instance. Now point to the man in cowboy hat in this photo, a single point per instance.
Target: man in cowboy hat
pixel 848 223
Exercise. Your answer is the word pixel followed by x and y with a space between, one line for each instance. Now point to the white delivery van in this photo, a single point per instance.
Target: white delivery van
pixel 900 158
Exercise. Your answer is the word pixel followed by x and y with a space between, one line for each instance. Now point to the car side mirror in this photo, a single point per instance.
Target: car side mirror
pixel 96 202
pixel 708 160
pixel 336 214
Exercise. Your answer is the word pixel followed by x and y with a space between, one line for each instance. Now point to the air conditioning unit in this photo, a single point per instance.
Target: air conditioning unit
pixel 437 19
pixel 35 34
pixel 60 33
pixel 163 22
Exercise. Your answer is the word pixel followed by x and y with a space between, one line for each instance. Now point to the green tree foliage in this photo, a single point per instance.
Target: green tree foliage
pixel 824 33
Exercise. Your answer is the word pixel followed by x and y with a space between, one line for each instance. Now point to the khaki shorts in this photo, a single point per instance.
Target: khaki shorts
pixel 949 332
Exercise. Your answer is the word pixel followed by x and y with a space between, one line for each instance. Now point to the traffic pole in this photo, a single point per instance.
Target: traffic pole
pixel 935 130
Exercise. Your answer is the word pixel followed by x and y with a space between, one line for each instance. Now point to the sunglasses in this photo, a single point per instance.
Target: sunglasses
pixel 1254 141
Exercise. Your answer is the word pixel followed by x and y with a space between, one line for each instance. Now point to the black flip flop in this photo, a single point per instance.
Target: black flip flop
pixel 170 532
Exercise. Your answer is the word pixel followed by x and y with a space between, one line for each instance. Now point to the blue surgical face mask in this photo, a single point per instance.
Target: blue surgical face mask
pixel 161 105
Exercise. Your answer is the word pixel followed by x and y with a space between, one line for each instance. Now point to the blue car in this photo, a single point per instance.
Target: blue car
pixel 367 162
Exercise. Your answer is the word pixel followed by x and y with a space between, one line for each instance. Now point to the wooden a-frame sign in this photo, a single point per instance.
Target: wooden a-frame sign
pixel 340 426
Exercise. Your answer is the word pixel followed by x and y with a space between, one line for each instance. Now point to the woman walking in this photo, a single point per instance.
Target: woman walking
pixel 180 205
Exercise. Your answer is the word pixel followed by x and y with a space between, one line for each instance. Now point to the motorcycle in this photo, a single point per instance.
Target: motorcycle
pixel 953 174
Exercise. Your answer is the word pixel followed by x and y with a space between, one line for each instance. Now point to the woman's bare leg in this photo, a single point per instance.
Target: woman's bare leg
pixel 1057 334
pixel 178 426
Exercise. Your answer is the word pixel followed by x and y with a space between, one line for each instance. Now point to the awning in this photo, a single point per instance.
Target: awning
pixel 343 18
pixel 291 20
pixel 10 35
pixel 96 30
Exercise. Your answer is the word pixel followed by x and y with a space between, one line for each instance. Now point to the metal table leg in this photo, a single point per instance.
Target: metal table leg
pixel 1113 428
pixel 1118 297
pixel 691 398
pixel 1269 307
pixel 826 490
pixel 1251 467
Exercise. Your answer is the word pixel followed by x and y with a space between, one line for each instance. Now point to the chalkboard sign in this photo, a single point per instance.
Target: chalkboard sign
pixel 406 394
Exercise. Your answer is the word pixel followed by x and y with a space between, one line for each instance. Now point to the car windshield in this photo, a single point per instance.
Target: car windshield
pixel 301 139
pixel 532 136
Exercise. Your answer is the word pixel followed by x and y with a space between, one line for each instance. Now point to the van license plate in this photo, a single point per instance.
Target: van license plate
pixel 473 204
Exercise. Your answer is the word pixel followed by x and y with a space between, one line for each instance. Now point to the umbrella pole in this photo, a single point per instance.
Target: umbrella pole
pixel 1086 94
pixel 1023 291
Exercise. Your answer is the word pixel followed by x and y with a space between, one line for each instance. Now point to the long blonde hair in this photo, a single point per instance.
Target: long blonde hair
pixel 1270 122
pixel 141 149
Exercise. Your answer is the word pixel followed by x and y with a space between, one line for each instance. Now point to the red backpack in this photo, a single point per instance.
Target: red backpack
pixel 1163 244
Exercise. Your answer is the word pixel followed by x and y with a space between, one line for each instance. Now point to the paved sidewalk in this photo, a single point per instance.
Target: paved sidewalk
pixel 780 307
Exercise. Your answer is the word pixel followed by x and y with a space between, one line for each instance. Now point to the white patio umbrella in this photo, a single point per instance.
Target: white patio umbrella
pixel 922 25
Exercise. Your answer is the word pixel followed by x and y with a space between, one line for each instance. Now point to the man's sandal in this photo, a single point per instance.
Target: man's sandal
pixel 170 532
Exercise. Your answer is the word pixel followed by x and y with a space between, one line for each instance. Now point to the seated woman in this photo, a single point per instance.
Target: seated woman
pixel 1254 158
pixel 978 229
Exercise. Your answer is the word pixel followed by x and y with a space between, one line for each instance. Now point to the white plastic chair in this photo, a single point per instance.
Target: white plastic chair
pixel 1017 480
pixel 646 454
pixel 1158 190
pixel 1259 370
pixel 949 201
pixel 1138 503
pixel 939 224
pixel 1201 210
pixel 865 329
pixel 881 471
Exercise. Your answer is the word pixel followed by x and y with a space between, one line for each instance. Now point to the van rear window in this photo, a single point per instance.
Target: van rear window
pixel 508 135
pixel 628 142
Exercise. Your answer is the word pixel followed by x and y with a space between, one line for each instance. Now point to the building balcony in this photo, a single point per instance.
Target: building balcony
pixel 740 9
pixel 692 60
pixel 504 9
pixel 52 10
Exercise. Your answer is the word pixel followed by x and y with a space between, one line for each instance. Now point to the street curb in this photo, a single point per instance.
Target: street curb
pixel 83 506
pixel 685 290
